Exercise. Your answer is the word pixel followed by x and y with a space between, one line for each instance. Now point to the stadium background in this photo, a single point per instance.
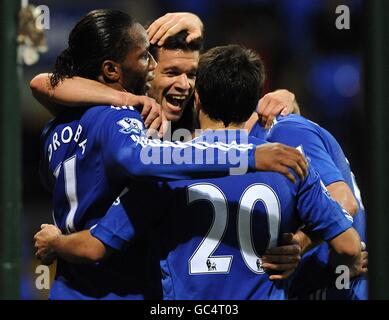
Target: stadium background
pixel 302 49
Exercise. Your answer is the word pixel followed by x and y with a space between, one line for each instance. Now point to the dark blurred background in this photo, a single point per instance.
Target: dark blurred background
pixel 298 40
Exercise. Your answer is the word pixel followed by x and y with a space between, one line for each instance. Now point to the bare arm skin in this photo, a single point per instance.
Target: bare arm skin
pixel 342 193
pixel 75 92
pixel 81 92
pixel 347 251
pixel 79 247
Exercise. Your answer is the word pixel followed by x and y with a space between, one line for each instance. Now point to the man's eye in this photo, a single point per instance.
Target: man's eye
pixel 172 73
pixel 192 75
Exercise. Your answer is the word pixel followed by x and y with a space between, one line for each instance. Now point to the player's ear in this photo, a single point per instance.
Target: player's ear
pixel 111 71
pixel 197 101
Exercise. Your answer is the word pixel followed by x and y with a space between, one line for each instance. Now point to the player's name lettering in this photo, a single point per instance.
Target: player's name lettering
pixel 65 136
pixel 177 311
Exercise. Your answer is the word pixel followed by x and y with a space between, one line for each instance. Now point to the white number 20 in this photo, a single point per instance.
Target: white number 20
pixel 203 261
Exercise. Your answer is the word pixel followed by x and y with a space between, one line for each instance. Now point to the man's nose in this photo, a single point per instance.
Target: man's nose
pixel 182 82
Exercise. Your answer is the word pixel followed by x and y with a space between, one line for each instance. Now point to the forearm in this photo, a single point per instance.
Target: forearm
pixel 80 247
pixel 75 92
pixel 346 251
pixel 306 243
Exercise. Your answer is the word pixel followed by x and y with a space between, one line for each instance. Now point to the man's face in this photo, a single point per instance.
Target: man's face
pixel 174 81
pixel 138 65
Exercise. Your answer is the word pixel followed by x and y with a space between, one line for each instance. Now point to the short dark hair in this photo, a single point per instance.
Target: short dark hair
pixel 229 83
pixel 178 42
pixel 100 35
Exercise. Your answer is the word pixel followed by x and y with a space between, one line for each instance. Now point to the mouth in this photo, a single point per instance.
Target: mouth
pixel 176 103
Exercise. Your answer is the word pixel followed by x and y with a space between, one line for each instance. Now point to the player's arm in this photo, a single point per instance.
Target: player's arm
pixel 82 92
pixel 306 241
pixel 347 245
pixel 324 218
pixel 172 23
pixel 114 231
pixel 342 193
pixel 126 153
pixel 346 251
pixel 284 258
pixel 75 92
pixel 79 247
pixel 338 255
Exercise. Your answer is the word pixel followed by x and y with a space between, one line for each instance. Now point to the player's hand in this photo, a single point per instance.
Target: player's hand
pixel 149 108
pixel 43 240
pixel 172 23
pixel 361 267
pixel 364 257
pixel 280 158
pixel 274 103
pixel 364 262
pixel 283 259
pixel 159 127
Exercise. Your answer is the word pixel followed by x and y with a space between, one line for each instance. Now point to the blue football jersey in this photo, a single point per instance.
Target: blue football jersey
pixel 327 157
pixel 138 268
pixel 212 232
pixel 88 158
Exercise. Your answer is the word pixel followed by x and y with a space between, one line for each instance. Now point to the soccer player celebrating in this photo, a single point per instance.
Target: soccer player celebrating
pixel 212 239
pixel 90 156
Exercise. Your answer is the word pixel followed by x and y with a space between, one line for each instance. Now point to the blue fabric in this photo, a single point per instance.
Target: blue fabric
pixel 327 157
pixel 88 158
pixel 221 271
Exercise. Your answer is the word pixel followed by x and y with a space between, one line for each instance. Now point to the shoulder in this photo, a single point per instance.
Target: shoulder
pixel 295 128
pixel 295 121
pixel 110 111
pixel 310 129
pixel 127 118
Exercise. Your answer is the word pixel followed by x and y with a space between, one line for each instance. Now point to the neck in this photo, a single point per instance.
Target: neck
pixel 113 85
pixel 209 124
